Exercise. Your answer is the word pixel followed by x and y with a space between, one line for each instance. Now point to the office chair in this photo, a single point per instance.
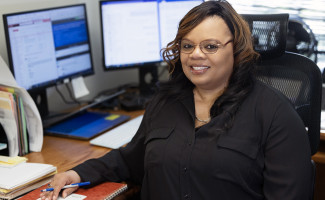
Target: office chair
pixel 295 75
pixel 301 39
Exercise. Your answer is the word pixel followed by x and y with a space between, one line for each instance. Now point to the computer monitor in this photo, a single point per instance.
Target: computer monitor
pixel 46 47
pixel 134 32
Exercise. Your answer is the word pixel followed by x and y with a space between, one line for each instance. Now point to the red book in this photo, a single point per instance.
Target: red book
pixel 103 191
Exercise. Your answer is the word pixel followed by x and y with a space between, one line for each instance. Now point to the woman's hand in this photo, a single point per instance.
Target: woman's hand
pixel 60 180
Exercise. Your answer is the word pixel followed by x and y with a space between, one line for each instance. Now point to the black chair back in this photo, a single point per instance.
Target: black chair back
pixel 295 75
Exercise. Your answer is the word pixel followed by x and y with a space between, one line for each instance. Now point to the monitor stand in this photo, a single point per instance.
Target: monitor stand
pixel 40 99
pixel 136 98
pixel 148 78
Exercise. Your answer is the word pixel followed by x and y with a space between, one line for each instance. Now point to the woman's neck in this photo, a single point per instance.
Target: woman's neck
pixel 203 100
pixel 207 97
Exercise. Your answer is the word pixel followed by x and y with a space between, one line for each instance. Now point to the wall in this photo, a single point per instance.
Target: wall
pixel 102 80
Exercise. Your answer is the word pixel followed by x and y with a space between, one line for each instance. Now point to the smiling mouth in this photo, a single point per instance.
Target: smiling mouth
pixel 199 69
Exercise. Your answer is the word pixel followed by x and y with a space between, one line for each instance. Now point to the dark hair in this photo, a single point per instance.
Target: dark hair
pixel 241 80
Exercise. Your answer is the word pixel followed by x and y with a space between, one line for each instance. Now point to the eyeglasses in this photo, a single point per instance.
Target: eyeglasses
pixel 207 46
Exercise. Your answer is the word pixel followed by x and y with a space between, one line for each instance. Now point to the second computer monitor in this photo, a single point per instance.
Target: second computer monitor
pixel 134 32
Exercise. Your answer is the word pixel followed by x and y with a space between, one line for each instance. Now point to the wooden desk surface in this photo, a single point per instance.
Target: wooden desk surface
pixel 65 153
pixel 322 135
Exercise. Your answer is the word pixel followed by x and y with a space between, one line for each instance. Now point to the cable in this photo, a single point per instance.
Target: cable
pixel 63 98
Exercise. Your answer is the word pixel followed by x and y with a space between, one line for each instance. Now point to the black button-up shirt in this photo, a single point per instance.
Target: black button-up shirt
pixel 265 154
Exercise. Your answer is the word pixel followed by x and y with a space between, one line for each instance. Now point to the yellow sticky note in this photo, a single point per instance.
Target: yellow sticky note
pixel 112 117
pixel 6 161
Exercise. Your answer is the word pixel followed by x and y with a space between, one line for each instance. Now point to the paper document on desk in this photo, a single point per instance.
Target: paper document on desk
pixel 22 174
pixel 71 197
pixel 33 118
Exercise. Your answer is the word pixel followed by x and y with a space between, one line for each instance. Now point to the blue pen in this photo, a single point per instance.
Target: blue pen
pixel 67 186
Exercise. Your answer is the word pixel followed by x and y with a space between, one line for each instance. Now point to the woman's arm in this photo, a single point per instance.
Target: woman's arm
pixel 287 170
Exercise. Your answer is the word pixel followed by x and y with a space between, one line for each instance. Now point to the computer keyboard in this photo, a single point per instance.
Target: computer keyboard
pixel 118 136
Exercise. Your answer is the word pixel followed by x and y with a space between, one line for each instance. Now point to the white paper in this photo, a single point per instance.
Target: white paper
pixel 33 118
pixel 22 174
pixel 71 197
pixel 79 87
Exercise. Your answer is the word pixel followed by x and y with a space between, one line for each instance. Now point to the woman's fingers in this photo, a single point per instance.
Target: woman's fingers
pixel 68 191
pixel 58 182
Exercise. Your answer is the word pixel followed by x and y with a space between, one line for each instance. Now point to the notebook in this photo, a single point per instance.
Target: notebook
pixel 118 136
pixel 86 125
pixel 103 191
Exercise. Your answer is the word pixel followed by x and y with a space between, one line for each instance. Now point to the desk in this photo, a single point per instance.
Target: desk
pixel 65 153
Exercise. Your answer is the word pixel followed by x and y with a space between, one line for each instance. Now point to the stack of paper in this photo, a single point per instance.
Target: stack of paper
pixel 13 119
pixel 23 178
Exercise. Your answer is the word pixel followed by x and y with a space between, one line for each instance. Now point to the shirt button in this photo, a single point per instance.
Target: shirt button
pixel 185 169
pixel 186 196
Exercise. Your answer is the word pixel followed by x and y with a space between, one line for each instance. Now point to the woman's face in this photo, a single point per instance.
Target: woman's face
pixel 208 71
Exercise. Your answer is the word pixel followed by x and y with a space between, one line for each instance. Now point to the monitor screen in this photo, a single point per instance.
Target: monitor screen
pixel 47 46
pixel 134 31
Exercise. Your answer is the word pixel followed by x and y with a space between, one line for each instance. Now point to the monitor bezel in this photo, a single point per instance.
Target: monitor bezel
pixel 140 65
pixel 43 86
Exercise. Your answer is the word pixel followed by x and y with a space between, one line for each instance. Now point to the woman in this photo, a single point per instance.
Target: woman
pixel 212 131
